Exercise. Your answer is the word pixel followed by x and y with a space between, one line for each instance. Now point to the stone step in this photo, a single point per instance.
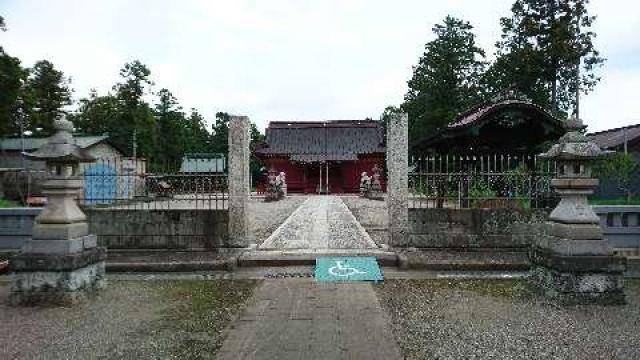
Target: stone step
pixel 164 261
pixel 299 257
pixel 455 260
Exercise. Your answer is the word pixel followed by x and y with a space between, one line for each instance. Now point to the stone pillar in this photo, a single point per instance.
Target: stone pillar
pixel 61 262
pixel 573 263
pixel 398 179
pixel 239 138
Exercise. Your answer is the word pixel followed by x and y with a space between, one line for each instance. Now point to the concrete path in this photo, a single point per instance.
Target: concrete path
pixel 321 222
pixel 304 320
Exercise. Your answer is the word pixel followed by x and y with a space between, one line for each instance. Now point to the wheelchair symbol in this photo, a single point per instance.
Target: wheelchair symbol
pixel 341 270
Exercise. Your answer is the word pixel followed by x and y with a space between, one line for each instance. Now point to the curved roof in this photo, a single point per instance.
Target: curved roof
pixel 496 125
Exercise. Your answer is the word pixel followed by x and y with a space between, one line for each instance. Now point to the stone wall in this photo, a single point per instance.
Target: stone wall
pixel 159 229
pixel 620 224
pixel 16 225
pixel 474 228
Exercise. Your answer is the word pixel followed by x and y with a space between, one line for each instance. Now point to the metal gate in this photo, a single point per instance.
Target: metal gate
pixel 100 185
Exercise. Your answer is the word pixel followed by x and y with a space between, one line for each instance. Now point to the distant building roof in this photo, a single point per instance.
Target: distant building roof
pixel 326 140
pixel 203 163
pixel 30 144
pixel 616 137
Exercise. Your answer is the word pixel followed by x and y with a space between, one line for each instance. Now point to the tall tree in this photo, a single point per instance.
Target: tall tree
pixel 198 138
pixel 550 40
pixel 220 137
pixel 97 114
pixel 445 81
pixel 172 128
pixel 47 93
pixel 12 76
pixel 3 24
pixel 135 120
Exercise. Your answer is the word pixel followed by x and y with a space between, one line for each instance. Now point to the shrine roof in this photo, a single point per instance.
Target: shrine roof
pixel 326 140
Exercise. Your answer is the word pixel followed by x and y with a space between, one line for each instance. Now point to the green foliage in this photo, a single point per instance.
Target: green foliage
pixel 543 44
pixel 619 168
pixel 172 128
pixel 8 204
pixel 10 93
pixel 135 118
pixel 3 24
pixel 446 79
pixel 198 138
pixel 47 92
pixel 96 114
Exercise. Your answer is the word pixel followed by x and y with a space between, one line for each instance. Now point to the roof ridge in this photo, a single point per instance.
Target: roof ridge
pixel 614 129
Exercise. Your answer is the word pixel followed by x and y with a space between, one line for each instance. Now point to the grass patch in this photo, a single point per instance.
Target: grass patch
pixel 502 288
pixel 8 204
pixel 633 201
pixel 6 255
pixel 202 310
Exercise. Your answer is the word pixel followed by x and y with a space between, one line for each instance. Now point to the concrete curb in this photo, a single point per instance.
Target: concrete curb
pixel 228 264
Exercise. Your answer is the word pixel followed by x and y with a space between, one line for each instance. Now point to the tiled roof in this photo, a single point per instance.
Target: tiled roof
pixel 318 141
pixel 30 144
pixel 616 137
pixel 477 113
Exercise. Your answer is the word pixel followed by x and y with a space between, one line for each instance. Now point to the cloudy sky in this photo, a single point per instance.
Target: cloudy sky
pixel 289 60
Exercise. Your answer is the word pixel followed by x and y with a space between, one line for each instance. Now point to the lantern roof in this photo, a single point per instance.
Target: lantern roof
pixel 574 145
pixel 61 147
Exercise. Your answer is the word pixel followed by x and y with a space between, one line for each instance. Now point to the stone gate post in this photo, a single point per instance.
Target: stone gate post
pixel 398 179
pixel 239 138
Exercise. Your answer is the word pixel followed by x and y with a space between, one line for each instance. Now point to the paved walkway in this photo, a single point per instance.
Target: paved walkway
pixel 300 319
pixel 321 222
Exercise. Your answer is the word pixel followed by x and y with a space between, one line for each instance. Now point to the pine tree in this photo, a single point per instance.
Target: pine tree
pixel 446 79
pixel 547 51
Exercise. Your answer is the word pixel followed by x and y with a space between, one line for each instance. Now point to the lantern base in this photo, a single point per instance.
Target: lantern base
pixel 57 279
pixel 584 279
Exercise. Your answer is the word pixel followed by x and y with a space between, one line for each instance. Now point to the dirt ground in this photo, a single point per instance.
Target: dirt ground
pixel 128 320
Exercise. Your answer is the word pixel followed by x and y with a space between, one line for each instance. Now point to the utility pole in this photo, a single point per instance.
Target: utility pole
pixel 135 143
pixel 577 108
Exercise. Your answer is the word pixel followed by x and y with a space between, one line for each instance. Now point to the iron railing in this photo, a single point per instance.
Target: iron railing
pixel 481 181
pixel 141 184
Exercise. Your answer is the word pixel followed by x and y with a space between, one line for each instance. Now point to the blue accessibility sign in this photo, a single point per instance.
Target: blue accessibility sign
pixel 352 268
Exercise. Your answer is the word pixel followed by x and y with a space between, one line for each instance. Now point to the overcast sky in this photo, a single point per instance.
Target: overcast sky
pixel 289 60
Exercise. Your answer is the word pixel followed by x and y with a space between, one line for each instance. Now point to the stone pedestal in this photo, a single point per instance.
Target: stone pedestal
pixel 61 262
pixel 239 138
pixel 573 263
pixel 398 179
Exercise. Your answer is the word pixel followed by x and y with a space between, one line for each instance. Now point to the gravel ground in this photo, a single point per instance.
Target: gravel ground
pixel 503 319
pixel 265 217
pixel 372 215
pixel 128 320
pixel 322 222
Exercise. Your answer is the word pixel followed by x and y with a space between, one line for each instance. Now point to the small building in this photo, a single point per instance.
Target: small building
pixel 623 139
pixel 323 157
pixel 505 124
pixel 11 150
pixel 112 176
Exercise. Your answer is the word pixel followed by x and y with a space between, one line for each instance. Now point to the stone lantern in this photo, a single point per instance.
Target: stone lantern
pixel 573 262
pixel 62 260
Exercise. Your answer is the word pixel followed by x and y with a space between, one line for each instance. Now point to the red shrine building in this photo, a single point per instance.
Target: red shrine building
pixel 323 157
